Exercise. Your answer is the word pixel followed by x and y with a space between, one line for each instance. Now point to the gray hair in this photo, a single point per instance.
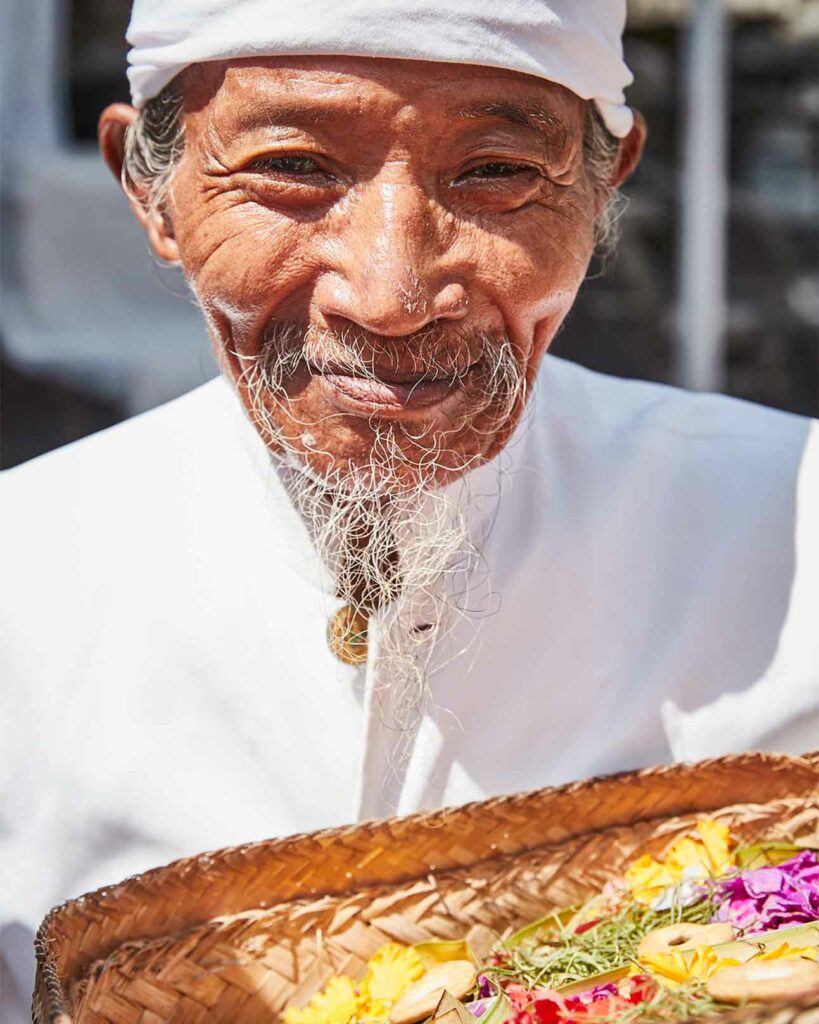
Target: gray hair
pixel 154 143
pixel 600 152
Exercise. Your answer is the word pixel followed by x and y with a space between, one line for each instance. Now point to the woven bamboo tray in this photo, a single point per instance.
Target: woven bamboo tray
pixel 240 934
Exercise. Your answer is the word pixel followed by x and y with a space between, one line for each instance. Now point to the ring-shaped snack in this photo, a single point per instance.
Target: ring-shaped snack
pixel 683 935
pixel 765 981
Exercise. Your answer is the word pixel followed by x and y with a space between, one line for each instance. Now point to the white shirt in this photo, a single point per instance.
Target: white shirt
pixel 166 686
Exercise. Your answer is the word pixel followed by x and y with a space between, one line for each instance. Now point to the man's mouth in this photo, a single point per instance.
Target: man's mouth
pixel 387 393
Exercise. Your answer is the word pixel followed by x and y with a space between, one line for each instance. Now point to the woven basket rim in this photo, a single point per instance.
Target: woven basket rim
pixel 202 860
pixel 106 902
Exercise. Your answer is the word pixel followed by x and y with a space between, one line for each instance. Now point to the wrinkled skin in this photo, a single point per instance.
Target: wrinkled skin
pixel 383 196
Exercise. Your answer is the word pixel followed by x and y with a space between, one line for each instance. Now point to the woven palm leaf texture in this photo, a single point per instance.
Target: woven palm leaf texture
pixel 240 934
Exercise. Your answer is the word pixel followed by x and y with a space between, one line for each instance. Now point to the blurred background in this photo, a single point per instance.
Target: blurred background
pixel 716 284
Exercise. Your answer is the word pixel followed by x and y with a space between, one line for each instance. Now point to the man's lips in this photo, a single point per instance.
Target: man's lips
pixel 386 393
pixel 375 392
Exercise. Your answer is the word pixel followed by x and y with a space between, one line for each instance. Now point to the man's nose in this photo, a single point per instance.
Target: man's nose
pixel 389 273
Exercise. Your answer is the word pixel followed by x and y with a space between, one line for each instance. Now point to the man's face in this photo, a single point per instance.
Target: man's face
pixel 399 240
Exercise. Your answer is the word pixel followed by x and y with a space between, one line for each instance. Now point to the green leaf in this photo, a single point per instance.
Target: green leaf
pixel 744 949
pixel 761 855
pixel 499 1010
pixel 556 921
pixel 606 978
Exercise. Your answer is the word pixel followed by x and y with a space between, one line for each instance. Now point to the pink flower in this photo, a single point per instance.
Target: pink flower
pixel 598 1003
pixel 772 897
pixel 518 995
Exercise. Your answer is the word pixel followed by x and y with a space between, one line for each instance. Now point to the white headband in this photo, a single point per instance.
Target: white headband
pixel 576 43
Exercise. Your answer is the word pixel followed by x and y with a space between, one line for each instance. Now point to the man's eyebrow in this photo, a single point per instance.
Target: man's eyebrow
pixel 274 115
pixel 538 120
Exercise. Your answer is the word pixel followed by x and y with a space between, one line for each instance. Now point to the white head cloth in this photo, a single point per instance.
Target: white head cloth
pixel 576 43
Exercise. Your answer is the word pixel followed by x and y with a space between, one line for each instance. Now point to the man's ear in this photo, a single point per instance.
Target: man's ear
pixel 113 124
pixel 631 149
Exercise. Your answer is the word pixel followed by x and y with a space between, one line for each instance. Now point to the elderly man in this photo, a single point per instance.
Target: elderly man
pixel 398 556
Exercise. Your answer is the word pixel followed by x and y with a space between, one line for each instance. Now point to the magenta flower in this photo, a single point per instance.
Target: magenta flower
pixel 597 993
pixel 772 897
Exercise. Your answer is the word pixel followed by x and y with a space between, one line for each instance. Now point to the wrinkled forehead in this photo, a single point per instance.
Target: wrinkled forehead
pixel 248 94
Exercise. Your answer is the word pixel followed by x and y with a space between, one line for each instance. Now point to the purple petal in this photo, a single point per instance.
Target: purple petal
pixel 602 992
pixel 764 881
pixel 484 986
pixel 770 897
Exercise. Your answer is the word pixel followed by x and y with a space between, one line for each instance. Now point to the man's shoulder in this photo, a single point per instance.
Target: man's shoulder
pixel 644 413
pixel 149 482
pixel 138 446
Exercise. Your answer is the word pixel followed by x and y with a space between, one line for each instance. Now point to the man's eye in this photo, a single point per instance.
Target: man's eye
pixel 295 166
pixel 495 169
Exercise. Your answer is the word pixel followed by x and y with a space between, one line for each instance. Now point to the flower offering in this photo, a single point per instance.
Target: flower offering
pixel 706 926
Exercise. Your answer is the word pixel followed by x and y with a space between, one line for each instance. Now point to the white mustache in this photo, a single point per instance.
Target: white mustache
pixel 431 354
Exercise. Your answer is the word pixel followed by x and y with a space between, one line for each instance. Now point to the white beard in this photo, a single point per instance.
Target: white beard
pixel 402 552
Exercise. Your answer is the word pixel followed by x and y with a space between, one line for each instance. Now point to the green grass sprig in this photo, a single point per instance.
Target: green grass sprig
pixel 562 957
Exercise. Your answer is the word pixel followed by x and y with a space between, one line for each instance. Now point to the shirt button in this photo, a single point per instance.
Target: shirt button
pixel 347 635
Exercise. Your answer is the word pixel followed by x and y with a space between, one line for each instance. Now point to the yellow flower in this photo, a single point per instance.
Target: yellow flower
pixel 689 859
pixel 648 878
pixel 785 951
pixel 338 1003
pixel 390 972
pixel 294 1015
pixel 676 968
pixel 717 841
